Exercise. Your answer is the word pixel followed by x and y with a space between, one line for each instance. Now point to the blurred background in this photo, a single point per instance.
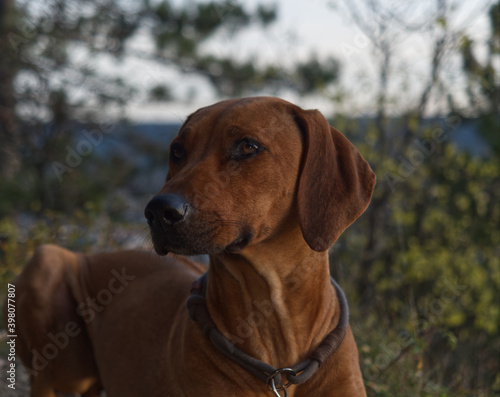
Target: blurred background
pixel 91 92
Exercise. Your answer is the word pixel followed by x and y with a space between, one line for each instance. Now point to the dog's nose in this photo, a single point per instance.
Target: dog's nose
pixel 166 208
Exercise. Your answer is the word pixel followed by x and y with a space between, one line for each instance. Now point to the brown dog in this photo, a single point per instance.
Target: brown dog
pixel 264 188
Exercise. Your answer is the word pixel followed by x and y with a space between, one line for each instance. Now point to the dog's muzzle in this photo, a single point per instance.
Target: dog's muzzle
pixel 165 213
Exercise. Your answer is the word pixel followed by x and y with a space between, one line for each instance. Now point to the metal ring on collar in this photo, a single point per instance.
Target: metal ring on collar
pixel 281 371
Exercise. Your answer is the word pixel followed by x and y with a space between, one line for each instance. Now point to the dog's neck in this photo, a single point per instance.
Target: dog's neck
pixel 276 314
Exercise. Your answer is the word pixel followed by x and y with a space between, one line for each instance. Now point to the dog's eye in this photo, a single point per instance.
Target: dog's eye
pixel 246 149
pixel 177 152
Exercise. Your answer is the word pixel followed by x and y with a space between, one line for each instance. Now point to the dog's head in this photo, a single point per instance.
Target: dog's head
pixel 246 170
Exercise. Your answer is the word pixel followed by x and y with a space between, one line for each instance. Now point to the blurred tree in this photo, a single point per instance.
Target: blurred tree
pixel 9 161
pixel 423 260
pixel 483 87
pixel 57 75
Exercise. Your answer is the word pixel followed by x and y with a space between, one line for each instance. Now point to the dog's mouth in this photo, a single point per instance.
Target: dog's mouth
pixel 160 250
pixel 240 243
pixel 196 245
pixel 163 246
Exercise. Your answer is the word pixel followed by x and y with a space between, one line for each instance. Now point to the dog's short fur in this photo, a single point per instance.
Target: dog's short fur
pixel 264 188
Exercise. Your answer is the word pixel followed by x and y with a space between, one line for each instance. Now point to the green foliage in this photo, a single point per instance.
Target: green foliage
pixel 483 87
pixel 422 266
pixel 314 75
pixel 42 186
pixel 267 14
pixel 160 93
pixel 90 228
pixel 494 14
pixel 488 128
pixel 427 270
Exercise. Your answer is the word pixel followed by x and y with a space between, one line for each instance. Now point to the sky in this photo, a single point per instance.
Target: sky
pixel 328 29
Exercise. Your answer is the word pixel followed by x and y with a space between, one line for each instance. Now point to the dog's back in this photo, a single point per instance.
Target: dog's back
pixel 52 342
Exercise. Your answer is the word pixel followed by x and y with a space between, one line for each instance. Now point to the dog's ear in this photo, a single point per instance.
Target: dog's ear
pixel 336 183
